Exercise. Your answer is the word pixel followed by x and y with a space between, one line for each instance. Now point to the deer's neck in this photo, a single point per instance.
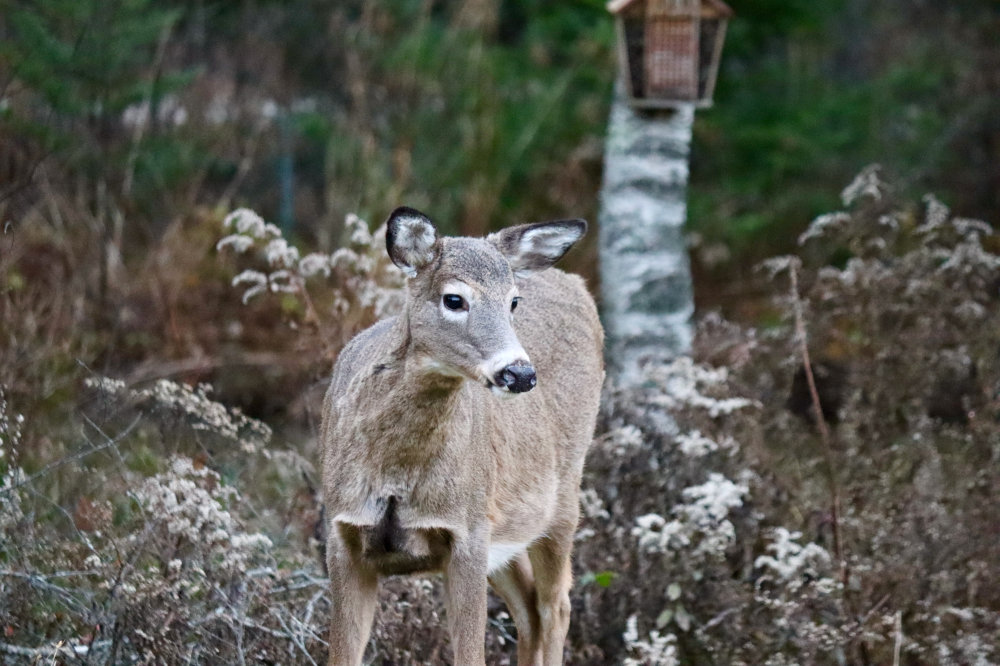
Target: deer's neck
pixel 417 400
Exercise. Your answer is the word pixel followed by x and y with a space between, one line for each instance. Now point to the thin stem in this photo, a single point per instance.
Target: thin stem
pixel 817 408
pixel 898 642
pixel 140 127
pixel 312 315
pixel 70 458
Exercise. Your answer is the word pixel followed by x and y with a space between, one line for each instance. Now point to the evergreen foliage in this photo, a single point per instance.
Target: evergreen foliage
pixel 492 116
pixel 810 91
pixel 74 66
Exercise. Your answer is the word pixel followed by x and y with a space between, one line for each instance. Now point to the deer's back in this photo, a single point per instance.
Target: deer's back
pixel 559 328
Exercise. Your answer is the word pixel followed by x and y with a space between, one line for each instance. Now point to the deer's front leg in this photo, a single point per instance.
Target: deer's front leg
pixel 465 588
pixel 353 593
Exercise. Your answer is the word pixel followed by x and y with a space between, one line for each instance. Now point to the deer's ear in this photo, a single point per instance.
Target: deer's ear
pixel 534 247
pixel 410 239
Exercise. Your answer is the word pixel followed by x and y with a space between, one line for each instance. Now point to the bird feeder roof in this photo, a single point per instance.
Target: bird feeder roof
pixel 712 8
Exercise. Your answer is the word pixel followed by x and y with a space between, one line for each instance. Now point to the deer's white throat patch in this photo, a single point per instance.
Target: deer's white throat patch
pixel 430 364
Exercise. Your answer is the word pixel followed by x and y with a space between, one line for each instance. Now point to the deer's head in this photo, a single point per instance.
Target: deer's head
pixel 463 297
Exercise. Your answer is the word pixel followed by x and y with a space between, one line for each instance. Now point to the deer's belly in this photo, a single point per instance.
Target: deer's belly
pixel 502 553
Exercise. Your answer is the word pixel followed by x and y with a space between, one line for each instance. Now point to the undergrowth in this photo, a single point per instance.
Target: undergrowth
pixel 815 491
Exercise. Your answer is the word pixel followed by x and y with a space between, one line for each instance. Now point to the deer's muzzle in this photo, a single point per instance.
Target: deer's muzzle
pixel 517 378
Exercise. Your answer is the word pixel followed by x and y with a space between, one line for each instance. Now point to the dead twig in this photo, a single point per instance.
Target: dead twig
pixel 111 442
pixel 158 370
pixel 60 649
pixel 821 425
pixel 898 642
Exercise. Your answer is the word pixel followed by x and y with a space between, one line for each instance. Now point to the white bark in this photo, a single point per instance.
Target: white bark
pixel 646 293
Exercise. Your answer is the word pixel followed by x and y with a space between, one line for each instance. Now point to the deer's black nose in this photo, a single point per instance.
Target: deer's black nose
pixel 518 378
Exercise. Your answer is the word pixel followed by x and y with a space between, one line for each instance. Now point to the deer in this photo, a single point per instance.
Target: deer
pixel 453 436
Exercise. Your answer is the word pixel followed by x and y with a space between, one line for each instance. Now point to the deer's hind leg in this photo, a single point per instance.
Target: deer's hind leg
pixel 552 566
pixel 515 584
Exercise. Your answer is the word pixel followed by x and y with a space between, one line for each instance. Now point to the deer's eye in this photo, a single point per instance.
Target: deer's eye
pixel 513 303
pixel 454 302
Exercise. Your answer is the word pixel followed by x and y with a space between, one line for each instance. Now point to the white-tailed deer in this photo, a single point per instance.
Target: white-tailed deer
pixel 440 453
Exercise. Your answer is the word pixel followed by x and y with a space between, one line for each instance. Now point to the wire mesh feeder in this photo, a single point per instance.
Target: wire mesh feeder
pixel 670 49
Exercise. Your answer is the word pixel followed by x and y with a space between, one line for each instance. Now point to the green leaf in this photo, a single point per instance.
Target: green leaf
pixel 601 578
pixel 604 578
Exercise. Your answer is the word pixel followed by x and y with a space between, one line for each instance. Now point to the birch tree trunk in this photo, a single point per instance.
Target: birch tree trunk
pixel 646 294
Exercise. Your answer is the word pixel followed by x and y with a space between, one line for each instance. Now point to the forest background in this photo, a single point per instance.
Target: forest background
pixel 129 129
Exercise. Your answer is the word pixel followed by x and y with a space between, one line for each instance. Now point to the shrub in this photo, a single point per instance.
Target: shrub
pixel 339 293
pixel 152 568
pixel 755 532
pixel 817 491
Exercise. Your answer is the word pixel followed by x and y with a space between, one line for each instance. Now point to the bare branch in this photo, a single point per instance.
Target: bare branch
pixel 73 457
pixel 60 649
pixel 817 408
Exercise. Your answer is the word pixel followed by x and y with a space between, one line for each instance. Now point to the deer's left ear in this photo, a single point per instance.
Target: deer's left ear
pixel 534 247
pixel 410 239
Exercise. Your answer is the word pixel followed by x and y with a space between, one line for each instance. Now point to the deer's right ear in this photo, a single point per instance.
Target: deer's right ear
pixel 534 247
pixel 410 239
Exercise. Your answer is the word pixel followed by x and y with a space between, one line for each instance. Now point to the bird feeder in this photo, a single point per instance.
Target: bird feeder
pixel 670 50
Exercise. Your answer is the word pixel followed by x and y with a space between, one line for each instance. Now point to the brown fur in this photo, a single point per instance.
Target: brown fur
pixel 424 468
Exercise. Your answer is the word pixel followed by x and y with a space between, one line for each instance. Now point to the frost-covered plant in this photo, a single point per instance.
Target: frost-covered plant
pixel 670 512
pixel 788 560
pixel 188 507
pixel 357 277
pixel 717 523
pixel 700 528
pixel 163 567
pixel 192 406
pixel 914 297
pixel 900 304
pixel 682 382
pixel 11 475
pixel 657 650
pixel 798 593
